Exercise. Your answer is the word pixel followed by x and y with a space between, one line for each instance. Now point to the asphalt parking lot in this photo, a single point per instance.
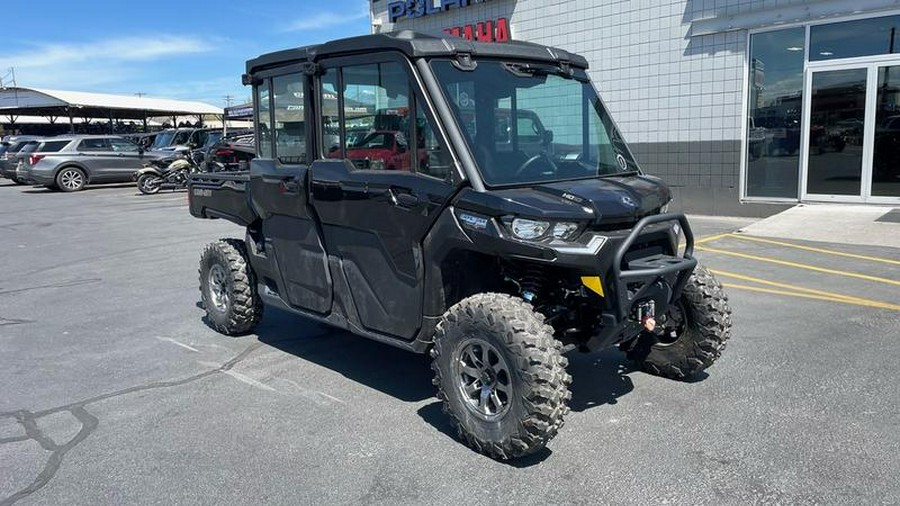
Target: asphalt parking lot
pixel 114 391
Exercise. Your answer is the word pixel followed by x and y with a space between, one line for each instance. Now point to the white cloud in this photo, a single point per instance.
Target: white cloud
pixel 328 19
pixel 117 50
pixel 106 64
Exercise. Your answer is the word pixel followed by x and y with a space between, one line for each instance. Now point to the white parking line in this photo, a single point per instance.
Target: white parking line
pixel 176 343
pixel 248 380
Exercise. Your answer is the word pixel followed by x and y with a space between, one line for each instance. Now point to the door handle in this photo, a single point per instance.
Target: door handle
pixel 404 199
pixel 289 187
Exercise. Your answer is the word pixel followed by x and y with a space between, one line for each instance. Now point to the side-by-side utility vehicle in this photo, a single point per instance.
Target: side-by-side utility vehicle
pixel 495 249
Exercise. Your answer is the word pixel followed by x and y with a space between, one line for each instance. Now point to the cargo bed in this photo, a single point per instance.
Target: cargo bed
pixel 221 195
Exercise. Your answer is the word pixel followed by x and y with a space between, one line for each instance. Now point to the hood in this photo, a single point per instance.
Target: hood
pixel 602 201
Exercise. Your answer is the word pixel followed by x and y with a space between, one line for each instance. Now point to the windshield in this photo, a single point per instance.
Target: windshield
pixel 539 124
pixel 213 138
pixel 164 139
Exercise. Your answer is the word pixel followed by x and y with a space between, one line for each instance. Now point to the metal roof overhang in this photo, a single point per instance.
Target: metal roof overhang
pixel 43 102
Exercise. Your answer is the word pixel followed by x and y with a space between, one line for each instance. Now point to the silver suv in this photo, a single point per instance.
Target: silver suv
pixel 68 163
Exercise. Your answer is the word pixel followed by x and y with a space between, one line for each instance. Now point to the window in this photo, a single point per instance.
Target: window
pixel 863 37
pixel 369 121
pixel 775 106
pixel 123 146
pixel 434 158
pixel 263 121
pixel 290 118
pixel 52 146
pixel 330 118
pixel 94 145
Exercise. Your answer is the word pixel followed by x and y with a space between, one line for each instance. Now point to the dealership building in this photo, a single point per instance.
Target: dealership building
pixel 744 107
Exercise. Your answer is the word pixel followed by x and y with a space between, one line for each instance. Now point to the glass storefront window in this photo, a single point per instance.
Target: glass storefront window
pixel 775 106
pixel 863 37
pixel 886 163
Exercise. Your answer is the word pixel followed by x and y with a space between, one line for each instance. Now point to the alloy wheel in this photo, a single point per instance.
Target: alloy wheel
pixel 71 179
pixel 483 378
pixel 218 288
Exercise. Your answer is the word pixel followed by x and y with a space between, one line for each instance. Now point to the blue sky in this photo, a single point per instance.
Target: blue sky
pixel 191 50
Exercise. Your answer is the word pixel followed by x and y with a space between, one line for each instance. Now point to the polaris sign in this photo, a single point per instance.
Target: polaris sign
pixel 418 8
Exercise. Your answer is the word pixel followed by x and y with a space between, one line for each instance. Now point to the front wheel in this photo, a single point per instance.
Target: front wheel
pixel 692 334
pixel 500 375
pixel 228 288
pixel 149 184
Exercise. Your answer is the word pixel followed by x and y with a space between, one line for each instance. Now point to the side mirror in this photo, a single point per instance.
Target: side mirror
pixel 141 150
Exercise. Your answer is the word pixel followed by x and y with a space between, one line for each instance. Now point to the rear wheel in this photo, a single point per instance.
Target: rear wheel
pixel 70 179
pixel 148 184
pixel 500 375
pixel 693 333
pixel 228 288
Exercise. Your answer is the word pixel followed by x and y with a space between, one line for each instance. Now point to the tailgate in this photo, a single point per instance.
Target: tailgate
pixel 221 195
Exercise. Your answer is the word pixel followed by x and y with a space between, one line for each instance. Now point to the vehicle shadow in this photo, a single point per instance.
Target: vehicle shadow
pixel 395 372
pixel 599 378
pixel 91 188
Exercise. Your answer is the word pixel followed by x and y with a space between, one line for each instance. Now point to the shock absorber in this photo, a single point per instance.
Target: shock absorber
pixel 532 282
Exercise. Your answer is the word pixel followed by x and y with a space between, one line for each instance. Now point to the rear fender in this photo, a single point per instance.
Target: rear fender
pixel 147 170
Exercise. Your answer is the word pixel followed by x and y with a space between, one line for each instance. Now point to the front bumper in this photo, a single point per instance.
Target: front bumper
pixel 633 280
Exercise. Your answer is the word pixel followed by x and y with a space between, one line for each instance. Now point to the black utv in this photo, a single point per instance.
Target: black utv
pixel 470 200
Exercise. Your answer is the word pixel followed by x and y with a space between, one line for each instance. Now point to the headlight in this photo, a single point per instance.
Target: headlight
pixel 376 164
pixel 565 230
pixel 529 230
pixel 536 230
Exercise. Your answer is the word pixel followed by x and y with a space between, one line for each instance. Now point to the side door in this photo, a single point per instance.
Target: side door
pixel 374 219
pixel 278 192
pixel 96 155
pixel 129 158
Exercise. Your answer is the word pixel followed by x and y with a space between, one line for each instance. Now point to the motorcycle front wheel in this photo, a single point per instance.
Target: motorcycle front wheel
pixel 149 184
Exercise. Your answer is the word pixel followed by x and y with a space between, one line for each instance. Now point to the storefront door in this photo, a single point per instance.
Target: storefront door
pixel 851 143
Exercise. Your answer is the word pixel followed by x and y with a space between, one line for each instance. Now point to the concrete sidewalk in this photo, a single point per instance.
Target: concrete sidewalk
pixel 835 223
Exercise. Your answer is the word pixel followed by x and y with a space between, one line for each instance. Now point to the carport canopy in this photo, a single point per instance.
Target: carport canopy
pixel 78 104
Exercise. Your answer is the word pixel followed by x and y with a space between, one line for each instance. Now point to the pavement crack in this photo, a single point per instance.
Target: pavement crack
pixel 13 321
pixel 64 284
pixel 89 422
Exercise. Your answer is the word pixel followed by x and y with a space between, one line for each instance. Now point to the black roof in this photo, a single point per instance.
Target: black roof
pixel 416 45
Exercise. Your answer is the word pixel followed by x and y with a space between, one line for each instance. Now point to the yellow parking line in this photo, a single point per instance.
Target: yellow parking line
pixel 802 266
pixel 865 303
pixel 710 238
pixel 795 288
pixel 817 250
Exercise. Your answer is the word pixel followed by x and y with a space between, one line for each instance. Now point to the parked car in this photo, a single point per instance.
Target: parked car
pixel 144 140
pixel 174 138
pixel 68 163
pixel 9 154
pixel 231 153
pixel 381 150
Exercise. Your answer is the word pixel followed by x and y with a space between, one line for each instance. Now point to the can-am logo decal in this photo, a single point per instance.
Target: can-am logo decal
pixel 419 8
pixel 476 222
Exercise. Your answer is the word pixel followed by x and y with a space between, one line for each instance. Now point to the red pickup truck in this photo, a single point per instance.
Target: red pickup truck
pixel 381 150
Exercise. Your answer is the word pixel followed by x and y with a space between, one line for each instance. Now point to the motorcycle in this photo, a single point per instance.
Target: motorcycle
pixel 166 172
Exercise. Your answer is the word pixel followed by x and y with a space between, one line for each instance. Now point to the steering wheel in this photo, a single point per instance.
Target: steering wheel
pixel 533 161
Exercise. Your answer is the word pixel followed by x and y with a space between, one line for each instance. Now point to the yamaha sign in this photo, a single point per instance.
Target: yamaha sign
pixel 419 8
